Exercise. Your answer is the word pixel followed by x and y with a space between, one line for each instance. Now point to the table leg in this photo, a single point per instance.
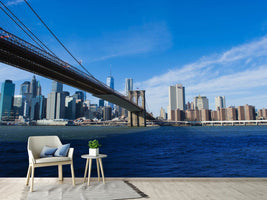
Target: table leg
pixel 85 171
pixel 102 171
pixel 89 171
pixel 97 165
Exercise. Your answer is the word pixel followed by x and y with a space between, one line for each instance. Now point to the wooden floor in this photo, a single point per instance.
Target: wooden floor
pixel 164 188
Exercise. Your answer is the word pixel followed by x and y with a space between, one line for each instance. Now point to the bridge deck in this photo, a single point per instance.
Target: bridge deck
pixel 18 53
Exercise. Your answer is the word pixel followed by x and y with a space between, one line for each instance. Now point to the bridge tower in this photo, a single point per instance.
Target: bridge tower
pixel 137 118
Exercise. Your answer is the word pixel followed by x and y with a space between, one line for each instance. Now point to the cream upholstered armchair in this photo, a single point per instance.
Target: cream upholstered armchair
pixel 35 146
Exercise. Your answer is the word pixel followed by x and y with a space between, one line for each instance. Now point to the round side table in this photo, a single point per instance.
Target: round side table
pixel 89 159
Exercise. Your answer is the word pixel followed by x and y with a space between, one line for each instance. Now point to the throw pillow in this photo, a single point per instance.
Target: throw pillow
pixel 62 150
pixel 47 152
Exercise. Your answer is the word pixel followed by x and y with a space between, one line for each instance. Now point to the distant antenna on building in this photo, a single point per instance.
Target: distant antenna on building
pixel 110 70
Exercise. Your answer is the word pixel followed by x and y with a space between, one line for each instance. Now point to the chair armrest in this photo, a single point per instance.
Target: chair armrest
pixel 31 157
pixel 70 153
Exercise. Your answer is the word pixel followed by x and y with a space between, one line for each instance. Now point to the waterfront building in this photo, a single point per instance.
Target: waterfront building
pixel 107 113
pixel 79 108
pixel 220 102
pixel 57 86
pixel 18 105
pixel 222 114
pixel 249 112
pixel 201 102
pixel 60 105
pixel 26 109
pixel 162 114
pixel 25 87
pixel 51 105
pixel 33 87
pixel 6 101
pixel 189 115
pixel 101 103
pixel 262 114
pixel 176 99
pixel 197 115
pixel 110 83
pixel 205 115
pixel 179 115
pixel 231 113
pixel 241 112
pixel 38 108
pixel 214 115
pixel 128 85
pixel 70 104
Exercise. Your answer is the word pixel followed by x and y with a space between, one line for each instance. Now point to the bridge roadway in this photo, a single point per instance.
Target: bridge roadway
pixel 18 53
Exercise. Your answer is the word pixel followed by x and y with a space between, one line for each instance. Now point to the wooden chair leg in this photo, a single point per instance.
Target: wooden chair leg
pixel 32 178
pixel 28 175
pixel 60 175
pixel 72 174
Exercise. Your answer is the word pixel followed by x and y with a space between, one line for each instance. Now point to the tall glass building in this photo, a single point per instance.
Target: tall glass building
pixel 110 83
pixel 57 86
pixel 33 87
pixel 6 101
pixel 128 85
pixel 176 98
pixel 25 87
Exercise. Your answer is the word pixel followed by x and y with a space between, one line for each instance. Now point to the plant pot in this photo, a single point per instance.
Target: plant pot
pixel 93 152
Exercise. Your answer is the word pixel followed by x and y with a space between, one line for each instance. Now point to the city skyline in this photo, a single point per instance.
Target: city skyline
pixel 157 47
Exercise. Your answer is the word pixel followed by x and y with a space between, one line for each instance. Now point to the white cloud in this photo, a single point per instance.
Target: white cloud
pixel 239 73
pixel 135 40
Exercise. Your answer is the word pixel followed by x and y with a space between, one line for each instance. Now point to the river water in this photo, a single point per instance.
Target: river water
pixel 232 151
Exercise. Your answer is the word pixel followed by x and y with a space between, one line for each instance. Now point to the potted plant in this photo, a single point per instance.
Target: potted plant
pixel 94 147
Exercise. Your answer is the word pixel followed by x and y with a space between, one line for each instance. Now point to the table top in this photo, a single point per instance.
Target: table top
pixel 87 156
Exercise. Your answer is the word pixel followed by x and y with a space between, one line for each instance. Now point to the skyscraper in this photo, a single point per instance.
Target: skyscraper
pixel 33 87
pixel 51 105
pixel 110 83
pixel 70 105
pixel 57 86
pixel 25 88
pixel 107 113
pixel 79 95
pixel 6 101
pixel 220 102
pixel 128 85
pixel 39 89
pixel 18 105
pixel 201 102
pixel 101 103
pixel 176 99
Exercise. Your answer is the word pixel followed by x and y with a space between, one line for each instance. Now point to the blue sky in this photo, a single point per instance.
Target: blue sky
pixel 212 47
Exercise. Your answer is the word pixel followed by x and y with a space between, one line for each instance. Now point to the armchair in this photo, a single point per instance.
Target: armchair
pixel 35 146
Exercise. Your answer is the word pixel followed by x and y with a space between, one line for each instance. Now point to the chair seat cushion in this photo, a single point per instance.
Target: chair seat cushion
pixel 52 159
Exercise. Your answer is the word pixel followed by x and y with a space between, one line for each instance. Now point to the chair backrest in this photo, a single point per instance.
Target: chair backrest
pixel 36 143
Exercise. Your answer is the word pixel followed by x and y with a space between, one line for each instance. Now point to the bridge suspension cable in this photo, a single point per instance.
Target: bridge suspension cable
pixel 57 38
pixel 40 44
